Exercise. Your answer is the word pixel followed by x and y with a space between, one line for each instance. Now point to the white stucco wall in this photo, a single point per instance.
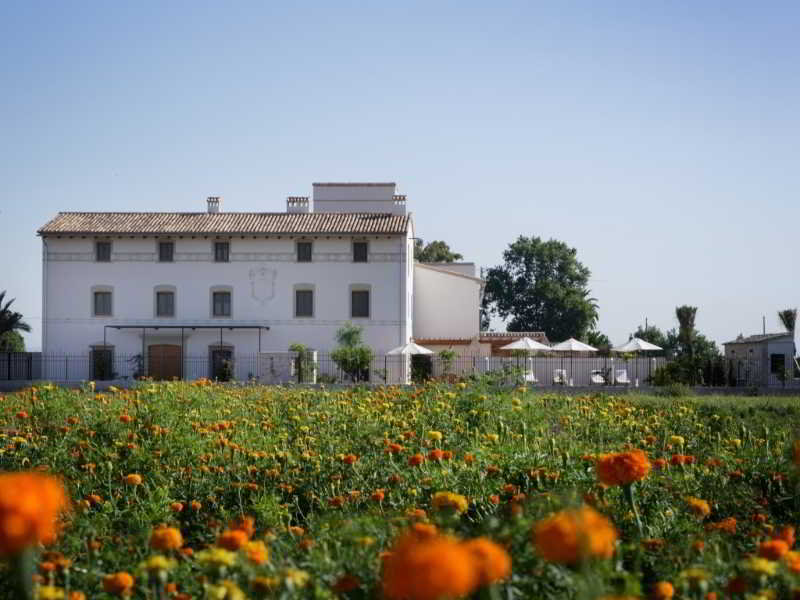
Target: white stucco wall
pixel 446 304
pixel 70 273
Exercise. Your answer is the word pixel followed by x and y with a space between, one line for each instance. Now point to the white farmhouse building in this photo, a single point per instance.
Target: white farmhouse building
pixel 178 293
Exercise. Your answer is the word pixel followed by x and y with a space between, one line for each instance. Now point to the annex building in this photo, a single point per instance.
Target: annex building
pixel 173 294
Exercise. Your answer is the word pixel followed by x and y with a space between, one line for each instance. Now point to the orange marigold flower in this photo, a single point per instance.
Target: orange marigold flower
pixel 195 505
pixel 436 455
pixel 244 523
pixel 120 583
pixel 727 525
pixel 133 479
pixel 796 452
pixel 30 505
pixel 125 418
pixel 622 468
pixel 659 464
pixel 773 549
pixel 786 534
pixel 699 507
pixel 429 568
pixel 76 596
pixel 378 495
pixel 166 538
pixel 295 530
pixel 232 539
pixel 349 459
pixel 176 507
pixel 257 552
pixel 394 448
pixel 492 561
pixel 571 536
pixel 416 460
pixel 663 590
pixel 793 562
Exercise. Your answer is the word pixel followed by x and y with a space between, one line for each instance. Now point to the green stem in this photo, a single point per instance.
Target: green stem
pixel 629 496
pixel 23 565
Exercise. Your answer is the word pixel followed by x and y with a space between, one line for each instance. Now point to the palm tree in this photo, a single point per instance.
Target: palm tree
pixel 9 319
pixel 788 318
pixel 686 332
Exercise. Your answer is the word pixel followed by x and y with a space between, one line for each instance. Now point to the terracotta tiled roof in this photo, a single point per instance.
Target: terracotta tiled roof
pixel 225 222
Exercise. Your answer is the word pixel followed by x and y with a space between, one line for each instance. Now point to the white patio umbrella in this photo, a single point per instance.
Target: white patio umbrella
pixel 527 345
pixel 407 350
pixel 410 348
pixel 571 345
pixel 636 345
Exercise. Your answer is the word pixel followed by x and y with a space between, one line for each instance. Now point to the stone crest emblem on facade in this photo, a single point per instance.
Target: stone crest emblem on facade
pixel 262 284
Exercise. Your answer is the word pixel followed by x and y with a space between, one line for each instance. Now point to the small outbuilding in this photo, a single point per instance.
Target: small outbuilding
pixel 762 360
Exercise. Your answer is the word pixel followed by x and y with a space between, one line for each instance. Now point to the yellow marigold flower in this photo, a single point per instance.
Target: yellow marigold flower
pixel 50 592
pixel 166 538
pixel 622 468
pixel 435 435
pixel 133 479
pixel 694 575
pixel 119 584
pixel 492 562
pixel 265 585
pixel 226 590
pixel 30 505
pixel 457 502
pixel 296 577
pixel 158 564
pixel 427 568
pixel 257 552
pixel 698 507
pixel 216 557
pixel 759 566
pixel 572 536
pixel 677 440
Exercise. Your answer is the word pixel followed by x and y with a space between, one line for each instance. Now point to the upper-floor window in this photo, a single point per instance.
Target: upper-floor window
pixel 304 303
pixel 359 303
pixel 222 251
pixel 221 304
pixel 166 251
pixel 304 250
pixel 102 251
pixel 102 304
pixel 360 251
pixel 165 304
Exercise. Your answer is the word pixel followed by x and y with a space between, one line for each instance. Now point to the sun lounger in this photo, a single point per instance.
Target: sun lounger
pixel 622 377
pixel 530 377
pixel 560 376
pixel 598 378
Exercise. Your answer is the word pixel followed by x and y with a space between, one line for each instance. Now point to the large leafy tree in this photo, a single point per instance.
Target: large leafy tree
pixel 10 320
pixel 541 286
pixel 435 251
pixel 352 355
pixel 788 318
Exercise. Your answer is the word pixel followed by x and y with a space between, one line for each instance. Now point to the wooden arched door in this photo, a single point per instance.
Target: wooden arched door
pixel 164 361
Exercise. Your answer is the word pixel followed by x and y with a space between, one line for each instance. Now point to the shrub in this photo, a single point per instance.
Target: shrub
pixel 674 390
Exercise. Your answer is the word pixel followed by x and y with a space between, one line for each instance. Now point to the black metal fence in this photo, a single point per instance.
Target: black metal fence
pixel 318 367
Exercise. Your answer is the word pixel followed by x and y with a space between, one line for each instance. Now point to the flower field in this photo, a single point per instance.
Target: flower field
pixel 181 490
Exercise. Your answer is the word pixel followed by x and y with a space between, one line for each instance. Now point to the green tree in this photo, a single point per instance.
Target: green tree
pixel 599 340
pixel 541 286
pixel 686 331
pixel 11 341
pixel 654 335
pixel 352 356
pixel 9 319
pixel 435 251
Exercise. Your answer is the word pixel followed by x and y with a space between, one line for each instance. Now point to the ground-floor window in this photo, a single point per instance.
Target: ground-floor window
pixel 221 363
pixel 102 362
pixel 777 363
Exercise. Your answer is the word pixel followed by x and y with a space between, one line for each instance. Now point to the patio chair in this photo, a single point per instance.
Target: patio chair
pixel 560 376
pixel 622 377
pixel 598 378
pixel 530 377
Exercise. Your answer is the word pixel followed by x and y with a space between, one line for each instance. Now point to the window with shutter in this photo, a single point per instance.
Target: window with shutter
pixel 221 304
pixel 102 304
pixel 360 251
pixel 102 251
pixel 303 303
pixel 360 304
pixel 304 250
pixel 166 251
pixel 222 251
pixel 165 304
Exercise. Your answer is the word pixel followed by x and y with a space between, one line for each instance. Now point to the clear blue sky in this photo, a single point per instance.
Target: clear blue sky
pixel 661 139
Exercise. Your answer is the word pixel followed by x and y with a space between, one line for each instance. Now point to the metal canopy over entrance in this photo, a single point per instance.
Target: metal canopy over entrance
pixel 182 329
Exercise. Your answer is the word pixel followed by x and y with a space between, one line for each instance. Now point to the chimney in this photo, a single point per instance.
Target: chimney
pixel 213 204
pixel 299 204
